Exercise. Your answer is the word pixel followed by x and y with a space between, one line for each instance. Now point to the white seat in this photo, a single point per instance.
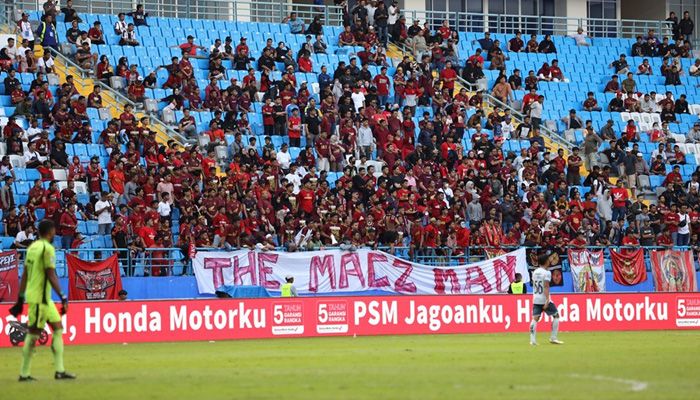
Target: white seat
pixel 678 138
pixel 17 161
pixel 3 148
pixel 646 117
pixel 315 88
pixel 203 140
pixel 697 148
pixel 81 188
pixel 694 109
pixel 656 118
pixel 62 184
pixel 169 117
pixel 625 116
pixel 221 152
pixel 150 105
pixel 60 174
pixel 636 117
pixel 644 126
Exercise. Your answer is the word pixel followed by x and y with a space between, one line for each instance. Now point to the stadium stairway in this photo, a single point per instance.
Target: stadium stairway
pixel 397 52
pixel 85 84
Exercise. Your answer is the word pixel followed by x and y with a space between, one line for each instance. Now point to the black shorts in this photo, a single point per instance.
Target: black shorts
pixel 551 309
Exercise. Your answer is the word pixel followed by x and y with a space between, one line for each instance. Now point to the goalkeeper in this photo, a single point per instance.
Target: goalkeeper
pixel 38 277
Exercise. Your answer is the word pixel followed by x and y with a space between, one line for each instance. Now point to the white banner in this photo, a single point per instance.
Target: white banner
pixel 337 271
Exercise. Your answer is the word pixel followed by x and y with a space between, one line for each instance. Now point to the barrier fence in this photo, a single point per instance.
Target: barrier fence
pixel 173 261
pixel 333 15
pixel 248 11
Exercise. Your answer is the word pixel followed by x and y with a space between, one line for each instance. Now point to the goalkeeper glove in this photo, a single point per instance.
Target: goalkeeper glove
pixel 64 304
pixel 17 308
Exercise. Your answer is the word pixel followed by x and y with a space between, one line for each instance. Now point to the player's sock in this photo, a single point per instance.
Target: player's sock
pixel 533 331
pixel 57 347
pixel 27 353
pixel 555 328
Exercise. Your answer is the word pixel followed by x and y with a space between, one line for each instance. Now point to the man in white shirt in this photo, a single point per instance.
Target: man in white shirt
pixel 693 135
pixel 647 104
pixel 358 98
pixel 32 133
pixel 24 29
pixel 129 37
pixel 24 237
pixel 164 206
pixel 293 178
pixel 32 158
pixel 393 12
pixel 45 63
pixel 104 209
pixel 11 49
pixel 284 159
pixel 507 128
pixel 365 139
pixel 121 25
pixel 580 37
pixel 683 237
pixel 536 112
pixel 695 68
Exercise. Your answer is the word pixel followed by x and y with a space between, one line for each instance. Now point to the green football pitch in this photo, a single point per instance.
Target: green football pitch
pixel 620 365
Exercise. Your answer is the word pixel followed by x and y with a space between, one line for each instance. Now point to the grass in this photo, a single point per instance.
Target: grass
pixel 618 365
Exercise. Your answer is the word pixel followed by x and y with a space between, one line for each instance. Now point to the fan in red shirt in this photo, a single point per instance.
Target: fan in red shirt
pixel 136 91
pixel 448 76
pixel 306 200
pixel 294 129
pixel 305 63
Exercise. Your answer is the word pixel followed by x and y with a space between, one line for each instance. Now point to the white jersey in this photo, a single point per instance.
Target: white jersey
pixel 539 277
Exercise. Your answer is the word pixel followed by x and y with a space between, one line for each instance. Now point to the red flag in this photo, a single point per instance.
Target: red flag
pixel 628 267
pixel 9 276
pixel 673 271
pixel 98 280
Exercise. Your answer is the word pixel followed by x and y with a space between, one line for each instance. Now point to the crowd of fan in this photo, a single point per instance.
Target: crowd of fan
pixel 427 192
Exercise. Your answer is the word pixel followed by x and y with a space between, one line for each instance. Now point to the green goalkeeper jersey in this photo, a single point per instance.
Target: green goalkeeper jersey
pixel 41 256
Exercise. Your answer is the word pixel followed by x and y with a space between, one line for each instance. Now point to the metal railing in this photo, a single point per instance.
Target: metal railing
pixel 119 98
pixel 252 11
pixel 248 11
pixel 537 24
pixel 172 262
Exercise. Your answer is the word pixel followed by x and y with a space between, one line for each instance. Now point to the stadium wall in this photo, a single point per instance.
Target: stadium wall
pixel 226 319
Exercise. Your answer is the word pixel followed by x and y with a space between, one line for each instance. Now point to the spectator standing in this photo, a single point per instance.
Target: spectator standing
pixel 47 33
pixel 139 16
pixel 24 29
pixel 536 112
pixel 296 24
pixel 104 210
pixel 686 25
pixel 69 13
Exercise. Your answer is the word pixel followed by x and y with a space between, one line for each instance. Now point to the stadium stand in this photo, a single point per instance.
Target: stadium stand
pixel 307 140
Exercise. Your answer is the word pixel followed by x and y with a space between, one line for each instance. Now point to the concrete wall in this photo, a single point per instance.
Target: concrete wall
pixel 643 9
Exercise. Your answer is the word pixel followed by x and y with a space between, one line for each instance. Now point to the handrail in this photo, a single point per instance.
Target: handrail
pixel 172 134
pixel 158 259
pixel 490 99
pixel 333 15
pixel 250 11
